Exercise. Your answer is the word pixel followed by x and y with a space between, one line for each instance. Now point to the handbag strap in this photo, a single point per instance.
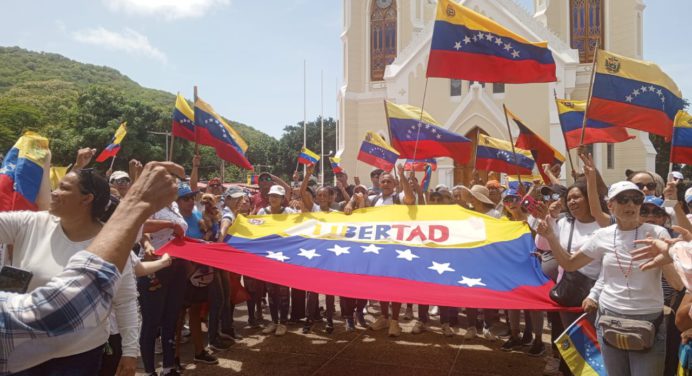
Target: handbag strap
pixel 571 232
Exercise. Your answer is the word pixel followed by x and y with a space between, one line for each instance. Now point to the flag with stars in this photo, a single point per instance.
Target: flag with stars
pixel 375 151
pixel 541 150
pixel 183 119
pixel 469 46
pixel 633 94
pixel 415 134
pixel 438 255
pixel 113 148
pixel 681 147
pixel 571 121
pixel 579 348
pixel 212 130
pixel 22 172
pixel 493 154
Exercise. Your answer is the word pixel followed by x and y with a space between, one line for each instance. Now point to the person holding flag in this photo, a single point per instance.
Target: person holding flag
pixel 114 147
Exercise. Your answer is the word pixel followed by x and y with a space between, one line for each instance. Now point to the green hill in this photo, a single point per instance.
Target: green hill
pixel 76 104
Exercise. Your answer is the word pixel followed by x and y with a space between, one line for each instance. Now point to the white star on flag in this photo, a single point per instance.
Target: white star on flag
pixel 635 92
pixel 659 92
pixel 279 256
pixel 338 250
pixel 457 46
pixel 628 98
pixel 406 255
pixel 371 248
pixel 309 253
pixel 470 282
pixel 515 54
pixel 644 89
pixel 498 41
pixel 440 267
pixel 489 36
pixel 652 88
pixel 508 46
pixel 467 40
pixel 481 35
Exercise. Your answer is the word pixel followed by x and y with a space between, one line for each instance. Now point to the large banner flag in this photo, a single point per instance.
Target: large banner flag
pixel 21 173
pixel 419 136
pixel 579 348
pixel 633 94
pixel 469 46
pixel 308 157
pixel 213 131
pixel 114 147
pixel 437 255
pixel 681 147
pixel 572 119
pixel 376 152
pixel 493 154
pixel 183 119
pixel 541 150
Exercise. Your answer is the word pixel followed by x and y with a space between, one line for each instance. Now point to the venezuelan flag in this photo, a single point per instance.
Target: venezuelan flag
pixel 633 94
pixel 681 147
pixel 541 150
pixel 183 119
pixel 422 137
pixel 335 162
pixel 376 152
pixel 469 46
pixel 579 348
pixel 420 164
pixel 21 173
pixel 571 121
pixel 427 177
pixel 114 147
pixel 252 179
pixel 685 359
pixel 213 131
pixel 56 174
pixel 308 157
pixel 439 255
pixel 493 154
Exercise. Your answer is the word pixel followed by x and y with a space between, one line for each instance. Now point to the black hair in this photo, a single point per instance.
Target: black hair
pixel 632 174
pixel 376 172
pixel 113 202
pixel 581 186
pixel 92 182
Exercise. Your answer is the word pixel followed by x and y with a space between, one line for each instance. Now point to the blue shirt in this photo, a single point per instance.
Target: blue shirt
pixel 193 229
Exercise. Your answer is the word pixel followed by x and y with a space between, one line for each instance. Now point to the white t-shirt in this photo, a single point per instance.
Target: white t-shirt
pixel 316 209
pixel 41 246
pixel 287 210
pixel 163 236
pixel 582 233
pixel 389 200
pixel 626 289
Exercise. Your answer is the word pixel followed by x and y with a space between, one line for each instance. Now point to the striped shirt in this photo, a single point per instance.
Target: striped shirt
pixel 79 298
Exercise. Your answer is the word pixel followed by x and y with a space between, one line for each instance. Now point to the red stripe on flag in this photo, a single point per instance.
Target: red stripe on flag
pixel 459 151
pixel 224 150
pixel 10 199
pixel 630 116
pixel 489 164
pixel 182 132
pixel 487 68
pixel 681 154
pixel 375 161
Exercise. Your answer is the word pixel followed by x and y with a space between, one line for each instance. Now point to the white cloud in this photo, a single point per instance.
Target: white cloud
pixel 169 9
pixel 128 41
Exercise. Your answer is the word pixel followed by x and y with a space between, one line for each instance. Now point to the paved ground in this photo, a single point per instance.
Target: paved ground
pixel 362 352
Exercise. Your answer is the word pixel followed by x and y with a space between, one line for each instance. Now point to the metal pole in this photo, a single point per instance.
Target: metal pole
pixel 305 107
pixel 196 144
pixel 322 128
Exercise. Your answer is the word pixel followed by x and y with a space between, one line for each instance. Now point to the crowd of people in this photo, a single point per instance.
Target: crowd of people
pixel 618 252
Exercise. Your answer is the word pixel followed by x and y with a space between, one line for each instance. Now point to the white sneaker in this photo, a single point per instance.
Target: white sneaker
pixel 379 324
pixel 419 327
pixel 280 330
pixel 447 330
pixel 269 329
pixel 552 366
pixel 487 334
pixel 434 310
pixel 394 328
pixel 408 315
pixel 471 333
pixel 158 348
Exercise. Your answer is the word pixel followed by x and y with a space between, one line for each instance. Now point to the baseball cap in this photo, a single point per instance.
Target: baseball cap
pixel 185 190
pixel 622 186
pixel 653 200
pixel 441 187
pixel 678 175
pixel 277 190
pixel 118 175
pixel 234 192
pixel 688 195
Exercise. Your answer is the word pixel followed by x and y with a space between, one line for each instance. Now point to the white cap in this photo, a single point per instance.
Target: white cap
pixel 277 190
pixel 688 195
pixel 441 186
pixel 118 175
pixel 620 187
pixel 678 175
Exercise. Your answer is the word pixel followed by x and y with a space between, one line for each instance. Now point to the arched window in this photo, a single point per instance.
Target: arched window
pixel 586 25
pixel 382 37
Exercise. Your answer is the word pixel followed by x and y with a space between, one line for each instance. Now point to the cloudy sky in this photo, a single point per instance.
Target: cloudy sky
pixel 247 56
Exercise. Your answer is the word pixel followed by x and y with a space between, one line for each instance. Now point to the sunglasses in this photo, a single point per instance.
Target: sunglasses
pixel 511 199
pixel 656 212
pixel 121 181
pixel 636 199
pixel 649 186
pixel 552 197
pixel 266 178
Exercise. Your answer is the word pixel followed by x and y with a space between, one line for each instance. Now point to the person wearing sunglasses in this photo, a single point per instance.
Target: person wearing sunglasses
pixel 261 199
pixel 622 290
pixel 120 180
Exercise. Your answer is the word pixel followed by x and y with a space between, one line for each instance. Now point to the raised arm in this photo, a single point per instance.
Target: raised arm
pixel 569 262
pixel 194 174
pixel 308 202
pixel 590 171
pixel 409 198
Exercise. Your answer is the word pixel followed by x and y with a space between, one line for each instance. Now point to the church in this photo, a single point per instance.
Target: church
pixel 385 50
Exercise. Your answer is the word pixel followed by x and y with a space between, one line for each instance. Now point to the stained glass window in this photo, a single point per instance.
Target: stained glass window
pixel 382 37
pixel 586 24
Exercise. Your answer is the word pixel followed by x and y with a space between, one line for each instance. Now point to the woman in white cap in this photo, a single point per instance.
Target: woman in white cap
pixel 624 294
pixel 279 296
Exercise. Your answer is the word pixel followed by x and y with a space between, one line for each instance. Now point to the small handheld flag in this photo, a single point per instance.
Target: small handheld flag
pixel 681 146
pixel 114 147
pixel 420 164
pixel 469 46
pixel 579 348
pixel 335 162
pixel 308 157
pixel 376 152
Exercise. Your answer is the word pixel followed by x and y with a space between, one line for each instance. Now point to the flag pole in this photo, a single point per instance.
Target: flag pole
pixel 305 110
pixel 112 162
pixel 322 128
pixel 420 120
pixel 588 99
pixel 475 151
pixel 196 144
pixel 569 155
pixel 511 142
pixel 169 157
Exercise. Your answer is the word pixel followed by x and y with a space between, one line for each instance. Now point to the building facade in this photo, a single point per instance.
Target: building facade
pixel 385 50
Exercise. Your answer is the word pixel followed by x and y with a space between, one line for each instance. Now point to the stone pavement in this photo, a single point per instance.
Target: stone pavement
pixel 363 352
